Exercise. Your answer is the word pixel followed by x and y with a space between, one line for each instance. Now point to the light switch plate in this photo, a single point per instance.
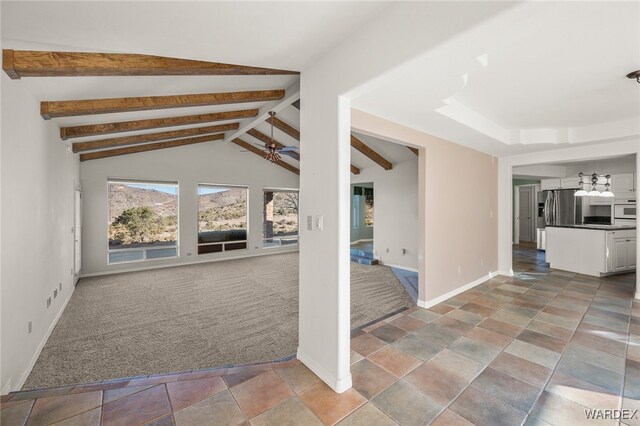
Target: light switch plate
pixel 319 222
pixel 310 223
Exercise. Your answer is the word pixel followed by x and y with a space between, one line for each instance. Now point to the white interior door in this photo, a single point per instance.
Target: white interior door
pixel 77 233
pixel 525 213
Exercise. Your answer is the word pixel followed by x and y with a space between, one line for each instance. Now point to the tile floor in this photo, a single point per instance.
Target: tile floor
pixel 538 348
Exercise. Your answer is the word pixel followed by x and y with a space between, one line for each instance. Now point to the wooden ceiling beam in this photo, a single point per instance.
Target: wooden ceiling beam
pixel 289 130
pixel 355 170
pixel 370 153
pixel 149 147
pixel 267 140
pixel 152 123
pixel 151 137
pixel 31 63
pixel 414 150
pixel 261 153
pixel 54 109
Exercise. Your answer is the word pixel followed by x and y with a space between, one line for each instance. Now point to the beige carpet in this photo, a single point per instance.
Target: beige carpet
pixel 193 317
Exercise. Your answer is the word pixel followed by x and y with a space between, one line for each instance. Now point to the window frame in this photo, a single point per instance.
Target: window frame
pixel 297 243
pixel 129 181
pixel 223 243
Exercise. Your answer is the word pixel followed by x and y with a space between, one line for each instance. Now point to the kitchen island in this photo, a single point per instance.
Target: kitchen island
pixel 595 250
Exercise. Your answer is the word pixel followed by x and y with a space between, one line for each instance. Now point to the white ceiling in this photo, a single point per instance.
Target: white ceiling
pixel 536 77
pixel 539 76
pixel 286 35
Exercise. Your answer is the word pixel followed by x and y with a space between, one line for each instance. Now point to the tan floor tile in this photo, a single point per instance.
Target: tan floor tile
pixel 202 374
pixel 490 337
pixel 355 357
pixel 221 407
pixel 88 418
pixel 440 385
pixel 395 361
pixel 521 369
pixel 369 379
pixel 443 309
pixel 16 414
pixel 138 408
pixel 456 363
pixel 408 323
pixel 450 418
pixel 291 412
pixel 298 378
pixel 367 415
pixel 183 394
pixel 261 393
pixel 367 344
pixel 500 327
pixel 330 406
pixel 115 394
pixel 55 408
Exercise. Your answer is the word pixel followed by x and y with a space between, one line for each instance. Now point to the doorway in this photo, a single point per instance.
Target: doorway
pixel 362 205
pixel 526 214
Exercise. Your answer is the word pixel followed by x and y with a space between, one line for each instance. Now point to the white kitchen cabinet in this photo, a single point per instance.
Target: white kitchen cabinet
pixel 569 183
pixel 621 251
pixel 624 185
pixel 549 184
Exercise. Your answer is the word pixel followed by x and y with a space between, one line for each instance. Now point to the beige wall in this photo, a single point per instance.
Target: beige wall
pixel 458 201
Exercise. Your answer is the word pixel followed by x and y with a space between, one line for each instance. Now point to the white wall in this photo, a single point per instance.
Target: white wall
pixel 38 181
pixel 395 212
pixel 211 162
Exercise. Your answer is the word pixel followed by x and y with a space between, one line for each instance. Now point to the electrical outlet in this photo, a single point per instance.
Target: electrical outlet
pixel 481 262
pixel 55 293
pixel 30 327
pixel 49 301
pixel 188 254
pixel 459 269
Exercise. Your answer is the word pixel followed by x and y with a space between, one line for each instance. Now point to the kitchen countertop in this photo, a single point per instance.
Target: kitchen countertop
pixel 596 227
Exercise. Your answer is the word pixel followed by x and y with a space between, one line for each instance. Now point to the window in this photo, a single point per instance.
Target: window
pixel 280 218
pixel 222 218
pixel 143 221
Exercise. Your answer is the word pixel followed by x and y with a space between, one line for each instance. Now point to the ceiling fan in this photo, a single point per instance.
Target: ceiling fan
pixel 272 150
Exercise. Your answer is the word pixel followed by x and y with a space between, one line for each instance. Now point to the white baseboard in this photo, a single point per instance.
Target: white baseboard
pixel 7 387
pixel 43 342
pixel 429 303
pixel 195 262
pixel 338 385
pixel 406 268
pixel 506 274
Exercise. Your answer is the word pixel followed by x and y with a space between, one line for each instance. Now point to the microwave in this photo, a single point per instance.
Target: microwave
pixel 624 211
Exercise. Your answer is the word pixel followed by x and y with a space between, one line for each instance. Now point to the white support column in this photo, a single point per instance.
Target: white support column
pixel 422 225
pixel 505 217
pixel 324 329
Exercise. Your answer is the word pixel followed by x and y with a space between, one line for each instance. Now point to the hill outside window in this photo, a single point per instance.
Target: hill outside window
pixel 222 218
pixel 280 218
pixel 143 220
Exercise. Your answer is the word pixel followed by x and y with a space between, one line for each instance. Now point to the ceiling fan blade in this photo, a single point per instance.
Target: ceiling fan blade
pixel 288 148
pixel 289 154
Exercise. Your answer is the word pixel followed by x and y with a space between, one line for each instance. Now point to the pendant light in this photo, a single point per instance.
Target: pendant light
pixel 594 182
pixel 580 192
pixel 607 188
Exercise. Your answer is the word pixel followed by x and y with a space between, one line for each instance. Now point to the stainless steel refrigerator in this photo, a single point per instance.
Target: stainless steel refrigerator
pixel 562 208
